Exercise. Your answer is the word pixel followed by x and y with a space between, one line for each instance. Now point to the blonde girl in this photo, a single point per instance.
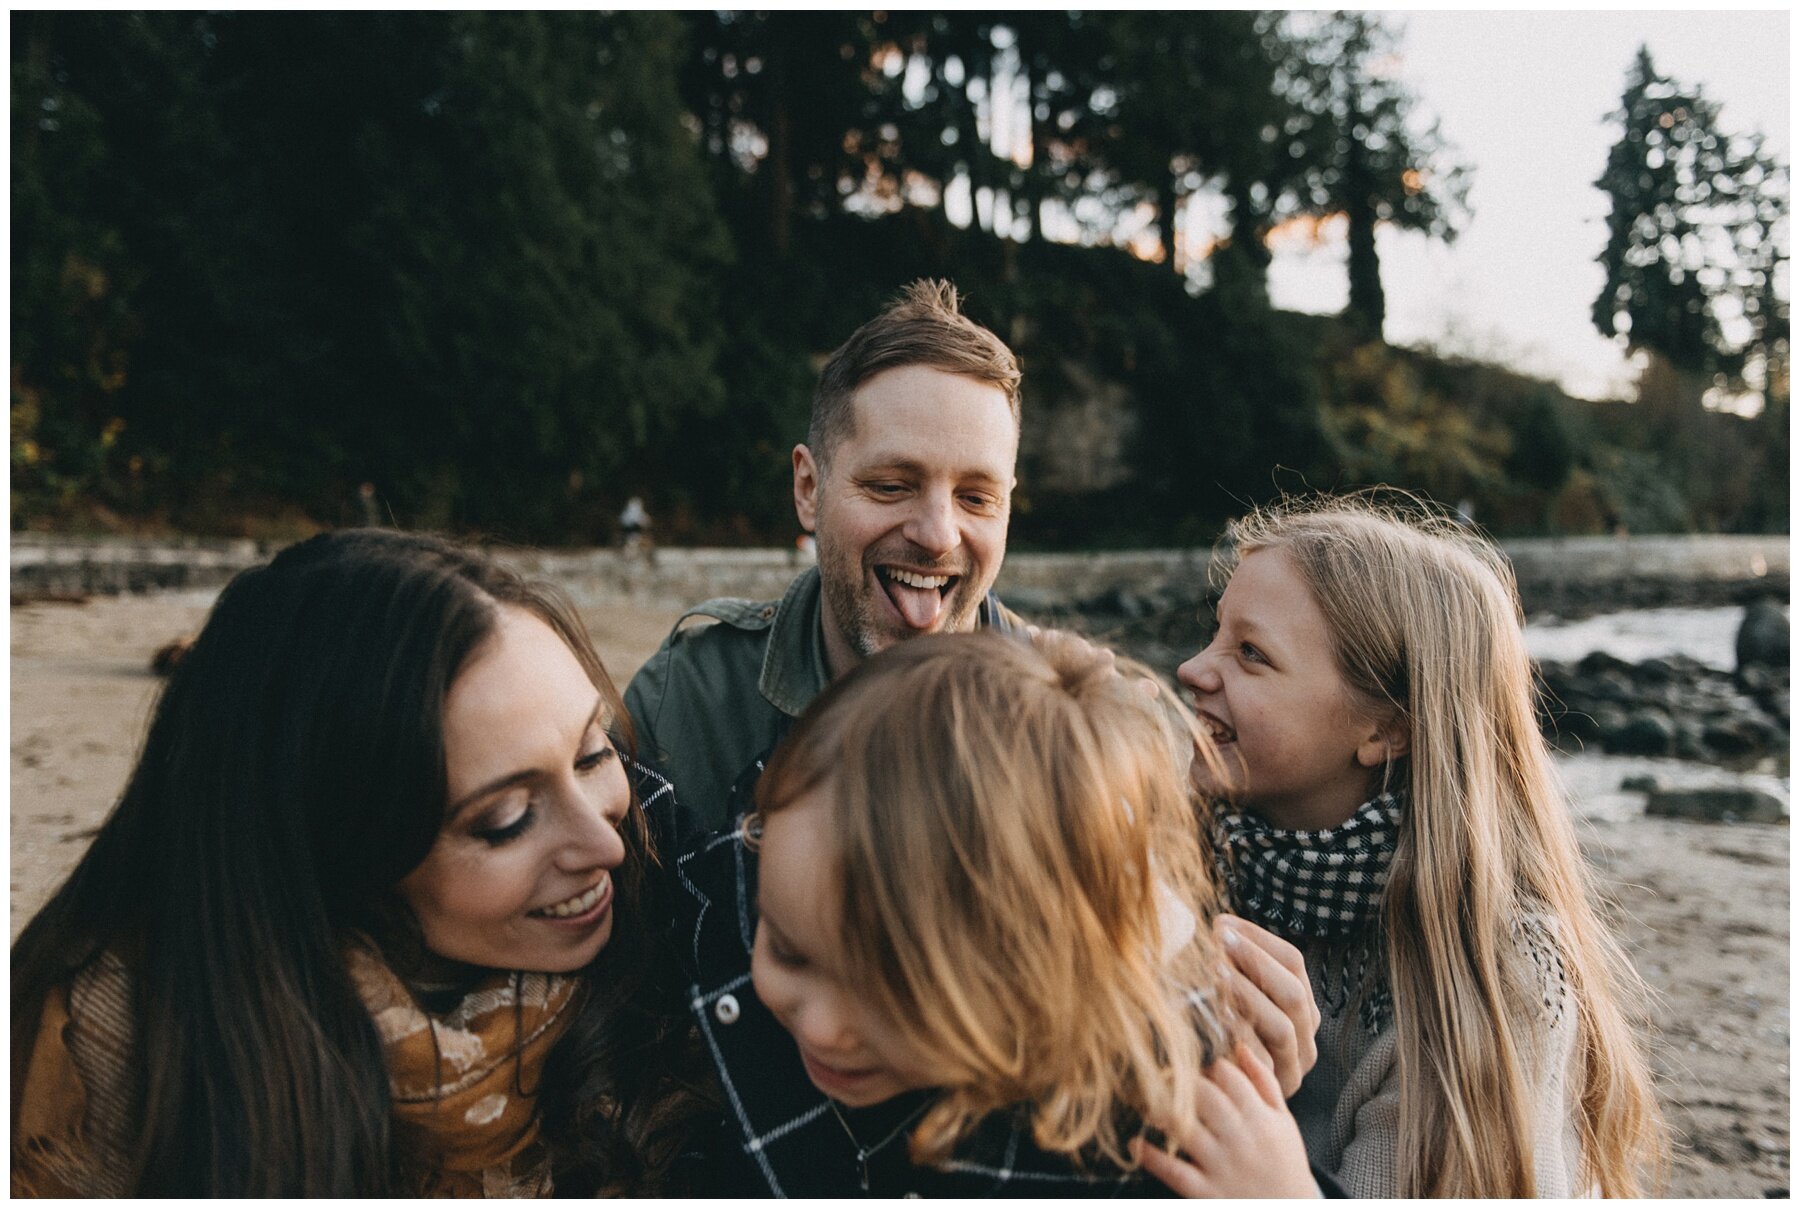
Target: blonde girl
pixel 1394 811
pixel 979 932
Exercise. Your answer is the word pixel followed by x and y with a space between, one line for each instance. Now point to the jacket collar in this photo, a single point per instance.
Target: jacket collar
pixel 794 669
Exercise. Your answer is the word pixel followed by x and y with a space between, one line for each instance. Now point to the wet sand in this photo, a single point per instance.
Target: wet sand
pixel 1705 907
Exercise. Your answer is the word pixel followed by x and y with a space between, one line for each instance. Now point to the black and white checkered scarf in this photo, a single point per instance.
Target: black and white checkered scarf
pixel 1321 885
pixel 1321 889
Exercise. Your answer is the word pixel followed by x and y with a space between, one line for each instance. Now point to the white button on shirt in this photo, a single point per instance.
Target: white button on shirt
pixel 726 1010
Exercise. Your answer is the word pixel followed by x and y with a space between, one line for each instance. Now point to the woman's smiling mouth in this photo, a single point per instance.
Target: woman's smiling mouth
pixel 580 908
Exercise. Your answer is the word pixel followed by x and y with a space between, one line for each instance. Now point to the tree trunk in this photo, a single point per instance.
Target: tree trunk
pixel 1367 311
pixel 1032 182
pixel 780 164
pixel 1167 203
pixel 1251 254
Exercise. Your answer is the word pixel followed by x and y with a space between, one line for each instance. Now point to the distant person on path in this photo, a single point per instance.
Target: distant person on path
pixel 906 481
pixel 634 527
pixel 1393 811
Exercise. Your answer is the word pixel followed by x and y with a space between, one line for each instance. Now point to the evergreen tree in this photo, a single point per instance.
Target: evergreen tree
pixel 785 103
pixel 1195 92
pixel 461 256
pixel 1661 179
pixel 1363 153
pixel 1696 238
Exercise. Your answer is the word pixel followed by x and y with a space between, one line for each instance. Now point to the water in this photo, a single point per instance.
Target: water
pixel 1706 635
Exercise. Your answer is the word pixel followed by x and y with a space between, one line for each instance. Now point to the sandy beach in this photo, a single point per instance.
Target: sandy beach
pixel 1705 906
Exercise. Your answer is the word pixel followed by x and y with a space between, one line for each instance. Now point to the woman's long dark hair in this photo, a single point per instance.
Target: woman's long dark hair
pixel 292 774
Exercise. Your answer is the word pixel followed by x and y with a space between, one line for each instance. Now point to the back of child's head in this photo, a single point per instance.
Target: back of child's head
pixel 1426 625
pixel 1023 888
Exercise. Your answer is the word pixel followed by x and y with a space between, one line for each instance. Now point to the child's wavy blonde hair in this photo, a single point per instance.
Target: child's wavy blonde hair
pixel 1426 625
pixel 1013 829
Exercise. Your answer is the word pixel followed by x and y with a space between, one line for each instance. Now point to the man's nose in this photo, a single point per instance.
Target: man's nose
pixel 931 525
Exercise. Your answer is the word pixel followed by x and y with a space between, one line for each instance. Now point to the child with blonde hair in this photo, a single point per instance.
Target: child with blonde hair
pixel 1394 811
pixel 974 905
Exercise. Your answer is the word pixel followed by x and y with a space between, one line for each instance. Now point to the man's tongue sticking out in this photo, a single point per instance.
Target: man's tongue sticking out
pixel 919 606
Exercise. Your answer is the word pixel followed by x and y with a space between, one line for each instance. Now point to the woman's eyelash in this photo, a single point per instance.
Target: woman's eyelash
pixel 596 758
pixel 494 837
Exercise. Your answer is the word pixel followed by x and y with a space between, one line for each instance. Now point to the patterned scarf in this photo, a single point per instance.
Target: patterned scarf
pixel 1321 889
pixel 465 1082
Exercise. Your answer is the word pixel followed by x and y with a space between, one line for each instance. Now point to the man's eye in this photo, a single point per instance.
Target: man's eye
pixel 1249 652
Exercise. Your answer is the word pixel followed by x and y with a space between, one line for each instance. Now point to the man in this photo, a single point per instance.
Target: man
pixel 905 481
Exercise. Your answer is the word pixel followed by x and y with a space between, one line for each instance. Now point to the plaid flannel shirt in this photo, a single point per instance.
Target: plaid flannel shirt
pixel 781 1137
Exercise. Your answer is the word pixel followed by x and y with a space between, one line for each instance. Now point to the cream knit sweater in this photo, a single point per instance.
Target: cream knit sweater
pixel 1348 1107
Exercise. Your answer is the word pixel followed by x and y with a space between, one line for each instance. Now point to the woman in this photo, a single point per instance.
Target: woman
pixel 379 855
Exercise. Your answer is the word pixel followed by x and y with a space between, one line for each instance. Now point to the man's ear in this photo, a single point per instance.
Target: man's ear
pixel 1384 741
pixel 806 487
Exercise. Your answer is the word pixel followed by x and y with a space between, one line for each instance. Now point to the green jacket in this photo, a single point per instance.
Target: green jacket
pixel 714 698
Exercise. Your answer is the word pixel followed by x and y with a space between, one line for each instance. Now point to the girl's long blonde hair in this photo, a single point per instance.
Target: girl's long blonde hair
pixel 1013 831
pixel 1426 625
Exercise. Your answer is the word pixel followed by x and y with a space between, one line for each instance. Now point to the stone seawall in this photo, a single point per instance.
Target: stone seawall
pixel 1563 575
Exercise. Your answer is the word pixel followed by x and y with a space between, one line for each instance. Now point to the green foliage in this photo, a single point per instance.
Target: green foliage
pixel 462 257
pixel 1196 89
pixel 1544 446
pixel 74 328
pixel 510 268
pixel 1387 425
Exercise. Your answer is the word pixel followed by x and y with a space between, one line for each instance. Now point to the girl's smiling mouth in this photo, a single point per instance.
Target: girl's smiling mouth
pixel 1216 730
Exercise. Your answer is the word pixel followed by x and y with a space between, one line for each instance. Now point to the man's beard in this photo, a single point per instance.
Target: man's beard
pixel 850 596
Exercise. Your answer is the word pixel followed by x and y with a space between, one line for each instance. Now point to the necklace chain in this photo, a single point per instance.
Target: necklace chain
pixel 865 1153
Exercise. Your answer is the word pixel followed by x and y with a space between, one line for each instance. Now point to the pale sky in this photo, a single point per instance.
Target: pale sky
pixel 1524 97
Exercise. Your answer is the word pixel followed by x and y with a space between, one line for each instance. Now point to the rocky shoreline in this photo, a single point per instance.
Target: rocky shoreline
pixel 1676 705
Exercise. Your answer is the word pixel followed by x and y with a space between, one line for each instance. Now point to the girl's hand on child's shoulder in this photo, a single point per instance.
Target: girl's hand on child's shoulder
pixel 1272 994
pixel 1241 1141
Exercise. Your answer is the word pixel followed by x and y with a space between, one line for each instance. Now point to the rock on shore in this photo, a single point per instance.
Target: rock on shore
pixel 1677 706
